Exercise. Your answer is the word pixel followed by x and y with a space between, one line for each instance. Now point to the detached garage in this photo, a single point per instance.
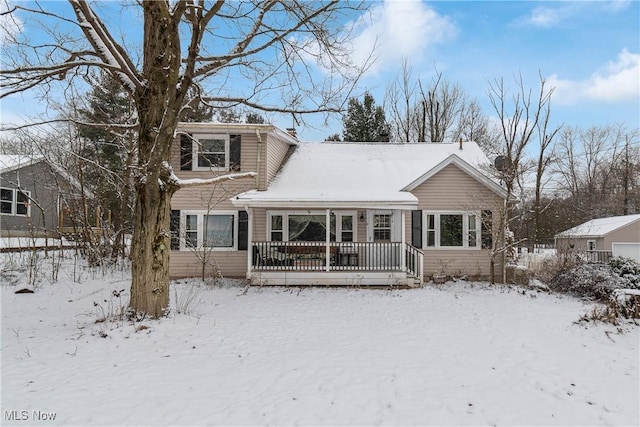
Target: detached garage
pixel 604 237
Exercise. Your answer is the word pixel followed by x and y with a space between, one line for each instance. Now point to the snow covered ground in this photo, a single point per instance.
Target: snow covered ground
pixel 457 354
pixel 31 242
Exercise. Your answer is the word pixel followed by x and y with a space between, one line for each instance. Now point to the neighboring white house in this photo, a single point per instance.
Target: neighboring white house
pixel 618 235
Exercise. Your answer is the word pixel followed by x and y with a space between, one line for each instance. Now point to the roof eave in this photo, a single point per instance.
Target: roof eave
pixel 238 127
pixel 324 204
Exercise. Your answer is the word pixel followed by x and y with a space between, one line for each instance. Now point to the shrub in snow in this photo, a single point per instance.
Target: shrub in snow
pixel 587 280
pixel 628 269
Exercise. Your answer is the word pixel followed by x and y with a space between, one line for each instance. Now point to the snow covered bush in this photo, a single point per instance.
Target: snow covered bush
pixel 591 281
pixel 628 269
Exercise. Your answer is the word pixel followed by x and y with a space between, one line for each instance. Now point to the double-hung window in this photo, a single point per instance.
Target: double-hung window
pixel 211 152
pixel 452 230
pixel 14 202
pixel 217 230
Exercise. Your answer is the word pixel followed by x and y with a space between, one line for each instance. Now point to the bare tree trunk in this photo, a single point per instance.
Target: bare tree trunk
pixel 175 60
pixel 151 242
pixel 150 250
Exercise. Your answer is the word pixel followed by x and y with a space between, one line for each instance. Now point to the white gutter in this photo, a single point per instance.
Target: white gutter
pixel 331 204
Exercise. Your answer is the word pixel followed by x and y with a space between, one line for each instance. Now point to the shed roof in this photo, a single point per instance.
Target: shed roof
pixel 601 226
pixel 359 174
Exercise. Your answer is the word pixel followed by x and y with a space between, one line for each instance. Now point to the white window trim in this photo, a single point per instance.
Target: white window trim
pixel 200 227
pixel 14 202
pixel 197 148
pixel 465 231
pixel 338 215
pixel 595 245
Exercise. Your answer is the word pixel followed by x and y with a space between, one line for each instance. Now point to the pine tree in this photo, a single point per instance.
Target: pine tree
pixel 255 118
pixel 195 110
pixel 108 153
pixel 364 121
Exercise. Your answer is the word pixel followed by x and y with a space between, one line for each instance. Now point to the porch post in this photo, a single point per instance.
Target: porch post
pixel 249 241
pixel 327 262
pixel 403 238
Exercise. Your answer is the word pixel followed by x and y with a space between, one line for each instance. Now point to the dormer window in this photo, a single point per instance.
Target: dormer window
pixel 210 152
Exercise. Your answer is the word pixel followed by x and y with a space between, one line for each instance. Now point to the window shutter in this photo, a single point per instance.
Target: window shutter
pixel 243 230
pixel 174 226
pixel 416 228
pixel 486 229
pixel 186 152
pixel 234 152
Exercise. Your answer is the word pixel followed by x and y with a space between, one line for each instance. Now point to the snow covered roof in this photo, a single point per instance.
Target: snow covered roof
pixel 9 162
pixel 360 174
pixel 601 226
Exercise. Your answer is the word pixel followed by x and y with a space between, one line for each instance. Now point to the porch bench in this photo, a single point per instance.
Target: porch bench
pixel 286 255
pixel 305 250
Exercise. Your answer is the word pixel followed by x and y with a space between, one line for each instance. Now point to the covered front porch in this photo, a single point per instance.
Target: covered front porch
pixel 337 263
pixel 345 246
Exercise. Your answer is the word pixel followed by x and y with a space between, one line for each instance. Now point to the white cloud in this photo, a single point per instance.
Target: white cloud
pixel 618 5
pixel 553 16
pixel 400 29
pixel 544 17
pixel 618 80
pixel 388 33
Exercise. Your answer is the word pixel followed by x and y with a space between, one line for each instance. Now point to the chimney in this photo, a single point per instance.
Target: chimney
pixel 461 143
pixel 292 132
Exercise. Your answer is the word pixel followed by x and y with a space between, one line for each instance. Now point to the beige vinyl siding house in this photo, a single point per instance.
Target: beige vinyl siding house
pixel 454 190
pixel 210 200
pixel 603 237
pixel 330 213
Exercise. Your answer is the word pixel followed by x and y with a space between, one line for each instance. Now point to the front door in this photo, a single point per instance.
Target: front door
pixel 381 231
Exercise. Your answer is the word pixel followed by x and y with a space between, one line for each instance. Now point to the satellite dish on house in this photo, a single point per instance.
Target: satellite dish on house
pixel 501 163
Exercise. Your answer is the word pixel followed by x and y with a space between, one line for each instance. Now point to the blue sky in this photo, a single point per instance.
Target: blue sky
pixel 589 51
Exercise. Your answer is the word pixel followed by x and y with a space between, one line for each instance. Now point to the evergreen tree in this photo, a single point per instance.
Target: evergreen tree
pixel 364 121
pixel 228 115
pixel 108 152
pixel 194 109
pixel 255 118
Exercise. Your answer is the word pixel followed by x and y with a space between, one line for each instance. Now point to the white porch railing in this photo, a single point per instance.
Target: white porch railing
pixel 599 257
pixel 343 256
